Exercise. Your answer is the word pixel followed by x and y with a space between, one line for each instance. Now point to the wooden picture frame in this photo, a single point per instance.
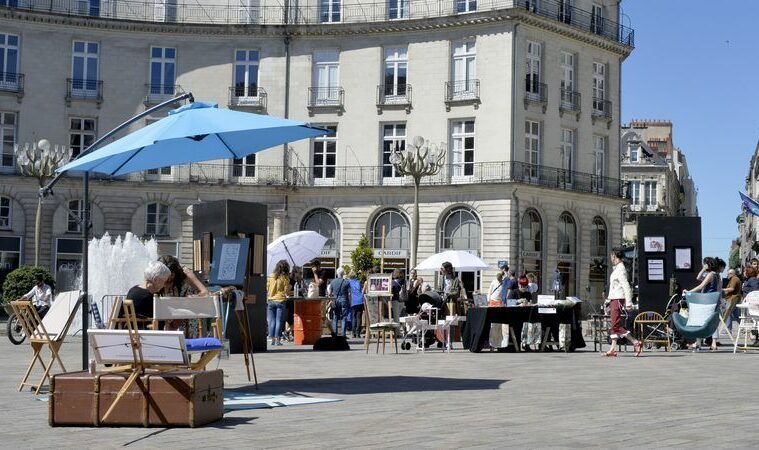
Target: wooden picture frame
pixel 654 244
pixel 683 257
pixel 380 285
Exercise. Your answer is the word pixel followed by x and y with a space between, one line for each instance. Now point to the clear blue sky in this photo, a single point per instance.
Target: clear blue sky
pixel 696 64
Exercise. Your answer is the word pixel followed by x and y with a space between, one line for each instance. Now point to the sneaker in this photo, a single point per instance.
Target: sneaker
pixel 279 343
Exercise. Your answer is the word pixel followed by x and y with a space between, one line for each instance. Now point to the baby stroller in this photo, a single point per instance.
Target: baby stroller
pixel 429 312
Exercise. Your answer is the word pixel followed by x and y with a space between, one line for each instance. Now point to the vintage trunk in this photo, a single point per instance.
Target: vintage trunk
pixel 178 398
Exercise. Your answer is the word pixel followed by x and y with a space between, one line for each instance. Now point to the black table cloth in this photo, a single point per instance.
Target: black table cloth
pixel 478 320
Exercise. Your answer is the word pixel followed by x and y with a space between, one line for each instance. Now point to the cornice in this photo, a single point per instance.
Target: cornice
pixel 505 15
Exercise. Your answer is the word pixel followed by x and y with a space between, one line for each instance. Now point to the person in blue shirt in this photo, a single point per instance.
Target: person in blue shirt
pixel 357 303
pixel 509 287
pixel 339 289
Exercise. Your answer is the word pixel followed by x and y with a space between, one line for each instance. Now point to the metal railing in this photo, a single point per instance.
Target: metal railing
pixel 535 92
pixel 250 97
pixel 462 90
pixel 601 108
pixel 325 97
pixel 570 100
pixel 157 93
pixel 393 94
pixel 12 82
pixel 184 11
pixel 81 89
pixel 355 176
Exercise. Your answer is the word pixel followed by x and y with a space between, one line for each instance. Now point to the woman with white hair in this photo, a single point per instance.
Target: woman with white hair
pixel 339 289
pixel 155 276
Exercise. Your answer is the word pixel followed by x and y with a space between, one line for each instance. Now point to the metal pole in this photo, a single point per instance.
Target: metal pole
pixel 85 271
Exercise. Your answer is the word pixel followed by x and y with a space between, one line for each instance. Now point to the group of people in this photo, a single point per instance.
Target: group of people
pixel 508 290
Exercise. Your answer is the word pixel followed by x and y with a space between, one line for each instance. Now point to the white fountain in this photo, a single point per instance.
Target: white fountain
pixel 115 266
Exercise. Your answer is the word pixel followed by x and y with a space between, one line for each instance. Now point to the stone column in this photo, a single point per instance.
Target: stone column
pixel 277 224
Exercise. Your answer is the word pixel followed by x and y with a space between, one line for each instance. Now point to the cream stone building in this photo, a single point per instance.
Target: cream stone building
pixel 523 94
pixel 748 224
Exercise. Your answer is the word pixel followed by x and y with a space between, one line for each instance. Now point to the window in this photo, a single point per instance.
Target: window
pixel 248 11
pixel 532 243
pixel 464 69
pixel 9 52
pixel 461 231
pixel 5 213
pixel 397 9
pixel 649 193
pixel 598 238
pixel 598 252
pixel 532 147
pixel 599 86
pixel 325 154
pixel 244 167
pixel 162 71
pixel 246 73
pixel 565 11
pixel 532 5
pixel 326 77
pixel 74 224
pixel 10 255
pixel 397 234
pixel 567 252
pixel 393 139
pixel 157 219
pixel 462 148
pixel 87 7
pixel 68 263
pixel 567 152
pixel 635 192
pixel 165 10
pixel 634 153
pixel 396 64
pixel 463 6
pixel 8 131
pixel 567 78
pixel 325 223
pixel 329 10
pixel 534 52
pixel 84 69
pixel 599 159
pixel 597 19
pixel 81 134
pixel 162 170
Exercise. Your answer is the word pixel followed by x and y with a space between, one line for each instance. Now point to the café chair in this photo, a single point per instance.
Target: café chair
pixel 49 332
pixel 749 321
pixel 703 316
pixel 652 329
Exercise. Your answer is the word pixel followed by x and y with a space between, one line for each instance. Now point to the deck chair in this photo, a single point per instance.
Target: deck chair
pixel 710 325
pixel 185 308
pixel 49 332
pixel 380 318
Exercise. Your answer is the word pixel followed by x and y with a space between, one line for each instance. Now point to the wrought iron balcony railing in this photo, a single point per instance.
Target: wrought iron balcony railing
pixel 326 97
pixel 462 91
pixel 12 82
pixel 157 93
pixel 79 89
pixel 389 95
pixel 253 97
pixel 210 13
pixel 601 108
pixel 535 92
pixel 570 100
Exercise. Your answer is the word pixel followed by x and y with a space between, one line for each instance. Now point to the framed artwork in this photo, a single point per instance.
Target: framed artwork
pixel 683 258
pixel 655 270
pixel 654 244
pixel 380 285
pixel 230 261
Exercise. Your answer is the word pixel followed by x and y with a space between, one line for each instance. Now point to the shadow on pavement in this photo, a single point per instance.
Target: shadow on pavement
pixel 373 385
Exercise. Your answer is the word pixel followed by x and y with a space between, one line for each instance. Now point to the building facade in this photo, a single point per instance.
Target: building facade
pixel 747 222
pixel 524 95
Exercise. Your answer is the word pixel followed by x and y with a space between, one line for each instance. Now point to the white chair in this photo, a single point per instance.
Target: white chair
pixel 49 332
pixel 749 320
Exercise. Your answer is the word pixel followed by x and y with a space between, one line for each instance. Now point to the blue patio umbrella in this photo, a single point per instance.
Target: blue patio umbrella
pixel 198 131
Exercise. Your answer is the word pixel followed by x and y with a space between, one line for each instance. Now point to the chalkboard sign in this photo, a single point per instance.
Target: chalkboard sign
pixel 230 261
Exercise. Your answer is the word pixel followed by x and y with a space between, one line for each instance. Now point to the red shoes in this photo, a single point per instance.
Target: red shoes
pixel 611 354
pixel 638 348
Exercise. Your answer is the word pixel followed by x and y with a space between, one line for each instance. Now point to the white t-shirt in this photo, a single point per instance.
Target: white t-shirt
pixel 40 296
pixel 494 293
pixel 532 288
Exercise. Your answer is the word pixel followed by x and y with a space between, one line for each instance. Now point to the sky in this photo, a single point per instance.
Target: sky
pixel 696 64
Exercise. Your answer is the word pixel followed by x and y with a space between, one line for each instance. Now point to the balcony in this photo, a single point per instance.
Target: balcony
pixel 158 93
pixel 13 83
pixel 570 102
pixel 84 90
pixel 251 97
pixel 535 93
pixel 602 110
pixel 242 174
pixel 393 96
pixel 462 92
pixel 328 98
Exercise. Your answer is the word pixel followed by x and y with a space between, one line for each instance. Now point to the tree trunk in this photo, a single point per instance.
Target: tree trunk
pixel 415 225
pixel 37 231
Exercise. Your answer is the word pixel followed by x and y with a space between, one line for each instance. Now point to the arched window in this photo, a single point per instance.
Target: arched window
pixel 5 213
pixel 532 244
pixel 157 219
pixel 598 241
pixel 461 231
pixel 397 234
pixel 325 223
pixel 567 234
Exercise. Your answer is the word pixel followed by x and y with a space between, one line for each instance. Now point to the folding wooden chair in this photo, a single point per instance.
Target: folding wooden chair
pixel 117 320
pixel 379 323
pixel 49 332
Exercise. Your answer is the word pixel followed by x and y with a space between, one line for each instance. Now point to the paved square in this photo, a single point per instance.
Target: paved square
pixel 439 400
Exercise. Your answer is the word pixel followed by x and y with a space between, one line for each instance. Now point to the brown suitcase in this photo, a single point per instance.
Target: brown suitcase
pixel 179 398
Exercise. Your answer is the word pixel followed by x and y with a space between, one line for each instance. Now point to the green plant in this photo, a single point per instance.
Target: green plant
pixel 22 280
pixel 362 258
pixel 735 259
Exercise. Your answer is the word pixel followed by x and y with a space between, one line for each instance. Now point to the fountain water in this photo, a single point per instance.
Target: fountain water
pixel 115 266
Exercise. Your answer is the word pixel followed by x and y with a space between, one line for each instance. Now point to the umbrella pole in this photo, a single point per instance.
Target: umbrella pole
pixel 287 250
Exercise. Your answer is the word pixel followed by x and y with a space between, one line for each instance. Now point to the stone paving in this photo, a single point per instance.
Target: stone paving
pixel 438 400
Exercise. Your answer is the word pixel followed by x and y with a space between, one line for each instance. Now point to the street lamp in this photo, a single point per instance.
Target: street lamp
pixel 40 160
pixel 422 159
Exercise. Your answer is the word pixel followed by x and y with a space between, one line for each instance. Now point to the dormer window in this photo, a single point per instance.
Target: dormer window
pixel 634 154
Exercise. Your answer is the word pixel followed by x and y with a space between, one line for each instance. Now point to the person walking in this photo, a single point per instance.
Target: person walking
pixel 339 290
pixel 357 304
pixel 278 289
pixel 619 291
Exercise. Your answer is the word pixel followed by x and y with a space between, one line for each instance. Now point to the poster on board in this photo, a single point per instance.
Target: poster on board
pixel 230 261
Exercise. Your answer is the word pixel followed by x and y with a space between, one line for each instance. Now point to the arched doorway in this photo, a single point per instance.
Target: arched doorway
pixel 461 230
pixel 566 254
pixel 397 239
pixel 532 244
pixel 325 223
pixel 599 250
